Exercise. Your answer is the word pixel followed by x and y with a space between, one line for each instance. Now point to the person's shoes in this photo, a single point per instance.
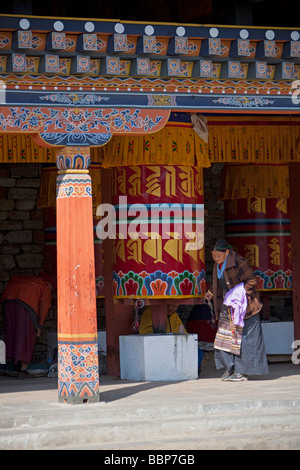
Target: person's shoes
pixel 237 377
pixel 24 374
pixel 226 376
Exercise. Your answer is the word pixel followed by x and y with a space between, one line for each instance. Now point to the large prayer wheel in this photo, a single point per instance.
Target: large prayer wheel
pixel 259 230
pixel 159 245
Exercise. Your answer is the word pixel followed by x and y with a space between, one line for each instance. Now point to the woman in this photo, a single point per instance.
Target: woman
pixel 26 301
pixel 239 344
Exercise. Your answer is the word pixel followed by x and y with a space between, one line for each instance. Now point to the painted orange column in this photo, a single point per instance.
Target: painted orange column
pixel 78 371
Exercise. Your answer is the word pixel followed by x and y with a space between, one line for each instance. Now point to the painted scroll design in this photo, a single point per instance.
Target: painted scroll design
pixel 80 126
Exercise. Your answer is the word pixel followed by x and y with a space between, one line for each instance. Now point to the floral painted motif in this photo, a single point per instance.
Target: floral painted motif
pixel 19 62
pixel 159 284
pixel 75 126
pixel 5 41
pixel 77 99
pixel 247 102
pixel 271 280
pixel 73 187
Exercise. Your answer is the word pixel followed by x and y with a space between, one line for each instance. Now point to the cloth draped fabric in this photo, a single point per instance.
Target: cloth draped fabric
pixel 220 270
pixel 248 181
pixel 236 298
pixel 200 126
pixel 250 140
pixel 251 361
pixel 228 337
pixel 19 334
pixel 175 144
pixel 254 143
pixel 21 148
pixel 257 150
pixel 179 143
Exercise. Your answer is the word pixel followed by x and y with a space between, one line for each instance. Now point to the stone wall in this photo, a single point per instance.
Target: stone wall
pixel 21 222
pixel 22 234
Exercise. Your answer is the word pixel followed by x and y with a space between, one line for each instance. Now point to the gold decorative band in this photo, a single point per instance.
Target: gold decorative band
pixel 77 336
pixel 62 172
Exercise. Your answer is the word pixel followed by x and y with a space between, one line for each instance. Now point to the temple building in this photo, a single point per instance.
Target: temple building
pixel 126 147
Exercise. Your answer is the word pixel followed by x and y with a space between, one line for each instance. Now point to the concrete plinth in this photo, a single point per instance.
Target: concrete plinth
pixel 278 337
pixel 146 358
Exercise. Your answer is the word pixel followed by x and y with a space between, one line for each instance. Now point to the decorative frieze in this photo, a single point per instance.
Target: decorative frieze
pixel 240 47
pixel 178 46
pixel 56 41
pixel 17 63
pixel 117 43
pixel 114 45
pixel 87 42
pixel 171 68
pixel 291 49
pixel 122 58
pixel 81 64
pixel 146 45
pixel 22 40
pixel 140 66
pixel 285 71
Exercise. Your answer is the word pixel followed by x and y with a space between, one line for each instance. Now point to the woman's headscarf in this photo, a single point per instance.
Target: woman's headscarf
pixel 221 245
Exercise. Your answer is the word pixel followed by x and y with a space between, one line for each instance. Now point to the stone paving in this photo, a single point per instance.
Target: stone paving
pixel 263 413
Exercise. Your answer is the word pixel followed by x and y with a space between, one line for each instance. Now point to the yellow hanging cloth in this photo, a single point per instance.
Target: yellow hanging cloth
pixel 175 144
pixel 263 181
pixel 253 143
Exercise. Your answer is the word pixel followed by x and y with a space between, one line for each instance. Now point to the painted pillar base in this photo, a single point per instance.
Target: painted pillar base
pixel 167 357
pixel 79 400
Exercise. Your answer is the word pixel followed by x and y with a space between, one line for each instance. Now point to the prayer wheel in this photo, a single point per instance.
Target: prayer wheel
pixel 159 244
pixel 259 230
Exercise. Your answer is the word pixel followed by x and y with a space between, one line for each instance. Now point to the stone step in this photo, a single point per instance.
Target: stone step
pixel 98 432
pixel 60 414
pixel 287 440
